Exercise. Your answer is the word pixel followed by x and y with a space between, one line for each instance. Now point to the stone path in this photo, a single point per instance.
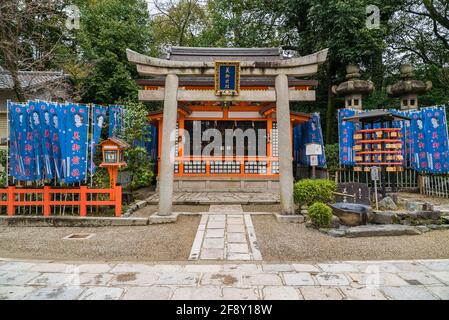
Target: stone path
pixel 220 198
pixel 225 233
pixel 397 280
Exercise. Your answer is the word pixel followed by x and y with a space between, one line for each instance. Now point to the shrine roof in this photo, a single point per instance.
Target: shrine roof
pixel 114 140
pixel 211 54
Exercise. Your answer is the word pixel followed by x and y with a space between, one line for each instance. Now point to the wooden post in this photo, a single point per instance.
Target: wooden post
pixel 83 201
pixel 11 200
pixel 118 201
pixel 47 199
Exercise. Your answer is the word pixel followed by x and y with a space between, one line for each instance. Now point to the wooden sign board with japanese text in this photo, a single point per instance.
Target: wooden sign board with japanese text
pixel 227 78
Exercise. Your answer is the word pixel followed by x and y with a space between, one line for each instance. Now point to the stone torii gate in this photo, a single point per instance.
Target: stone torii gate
pixel 280 70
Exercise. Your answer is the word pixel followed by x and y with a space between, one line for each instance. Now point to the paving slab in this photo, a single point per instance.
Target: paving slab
pixel 15 292
pixel 214 243
pixel 281 293
pixel 298 279
pixel 362 294
pixel 241 294
pixel 443 276
pixel 320 293
pixel 148 293
pixel 419 278
pixel 212 254
pixel 440 292
pixel 179 279
pixel 142 279
pixel 60 293
pixel 12 278
pixel 236 238
pixel 102 293
pixel 263 279
pixel 237 248
pixel 195 293
pixel 408 293
pixel 332 279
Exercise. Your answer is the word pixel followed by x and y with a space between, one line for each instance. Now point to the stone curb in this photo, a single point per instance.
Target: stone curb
pixel 136 206
pixel 40 221
pixel 283 218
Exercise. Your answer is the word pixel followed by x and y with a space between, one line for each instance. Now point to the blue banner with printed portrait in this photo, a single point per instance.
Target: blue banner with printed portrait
pixel 16 115
pixel 55 142
pixel 420 160
pixel 76 132
pixel 98 122
pixel 45 140
pixel 60 125
pixel 25 144
pixel 436 139
pixel 36 130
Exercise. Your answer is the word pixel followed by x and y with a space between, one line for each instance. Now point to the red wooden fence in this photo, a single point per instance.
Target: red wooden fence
pixel 115 198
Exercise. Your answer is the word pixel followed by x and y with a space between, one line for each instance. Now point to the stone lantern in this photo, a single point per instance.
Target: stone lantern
pixel 354 88
pixel 408 88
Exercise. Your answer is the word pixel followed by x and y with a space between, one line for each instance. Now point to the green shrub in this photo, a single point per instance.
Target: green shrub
pixel 332 157
pixel 2 168
pixel 309 191
pixel 320 214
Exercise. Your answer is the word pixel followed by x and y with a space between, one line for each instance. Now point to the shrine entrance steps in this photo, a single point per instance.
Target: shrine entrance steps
pixel 225 198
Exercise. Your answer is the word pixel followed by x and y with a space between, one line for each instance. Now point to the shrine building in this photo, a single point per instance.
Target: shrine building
pixel 210 97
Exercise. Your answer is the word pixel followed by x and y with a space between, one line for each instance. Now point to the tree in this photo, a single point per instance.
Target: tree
pixel 108 28
pixel 31 31
pixel 177 23
pixel 419 38
pixel 137 158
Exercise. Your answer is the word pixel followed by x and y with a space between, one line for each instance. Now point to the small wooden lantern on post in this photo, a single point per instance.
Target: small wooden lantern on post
pixel 113 150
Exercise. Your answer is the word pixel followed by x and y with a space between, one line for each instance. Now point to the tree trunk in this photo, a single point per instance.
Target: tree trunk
pixel 378 71
pixel 330 114
pixel 17 87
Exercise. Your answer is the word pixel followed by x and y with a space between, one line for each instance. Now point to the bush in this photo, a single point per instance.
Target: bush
pixel 320 214
pixel 332 157
pixel 3 168
pixel 307 191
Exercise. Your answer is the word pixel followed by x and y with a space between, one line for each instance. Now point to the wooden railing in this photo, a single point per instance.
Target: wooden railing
pixel 226 166
pixel 43 199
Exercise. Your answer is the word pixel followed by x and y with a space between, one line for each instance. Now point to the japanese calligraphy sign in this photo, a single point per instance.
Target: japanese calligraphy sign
pixel 227 78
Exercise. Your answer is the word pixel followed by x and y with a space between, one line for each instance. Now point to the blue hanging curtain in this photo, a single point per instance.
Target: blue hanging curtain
pixel 115 120
pixel 76 143
pixel 99 120
pixel 346 132
pixel 48 164
pixel 17 114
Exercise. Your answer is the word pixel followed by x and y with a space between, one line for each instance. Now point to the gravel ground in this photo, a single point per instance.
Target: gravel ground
pixel 262 208
pixel 151 209
pixel 295 242
pixel 169 242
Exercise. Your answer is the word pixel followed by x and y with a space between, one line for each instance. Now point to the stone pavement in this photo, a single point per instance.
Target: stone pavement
pixel 403 280
pixel 225 233
pixel 220 198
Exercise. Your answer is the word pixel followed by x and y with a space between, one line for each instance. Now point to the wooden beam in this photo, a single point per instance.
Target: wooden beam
pixel 300 71
pixel 209 95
